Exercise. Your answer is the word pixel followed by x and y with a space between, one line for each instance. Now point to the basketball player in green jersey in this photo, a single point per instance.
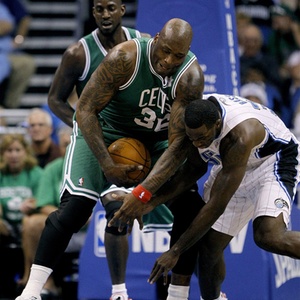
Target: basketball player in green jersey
pixel 136 91
pixel 81 59
pixel 78 63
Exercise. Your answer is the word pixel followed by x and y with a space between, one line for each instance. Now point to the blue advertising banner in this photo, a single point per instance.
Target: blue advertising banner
pixel 250 270
pixel 94 279
pixel 214 41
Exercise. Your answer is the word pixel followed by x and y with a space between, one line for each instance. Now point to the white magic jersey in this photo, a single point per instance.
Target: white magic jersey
pixel 272 175
pixel 236 110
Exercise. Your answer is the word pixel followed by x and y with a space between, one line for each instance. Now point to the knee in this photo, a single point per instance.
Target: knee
pixel 72 214
pixel 27 63
pixel 207 255
pixel 265 236
pixel 265 239
pixel 111 206
pixel 33 224
pixel 211 247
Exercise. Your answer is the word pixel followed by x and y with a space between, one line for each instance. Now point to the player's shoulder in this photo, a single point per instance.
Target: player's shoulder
pixel 75 49
pixel 128 48
pixel 192 74
pixel 74 53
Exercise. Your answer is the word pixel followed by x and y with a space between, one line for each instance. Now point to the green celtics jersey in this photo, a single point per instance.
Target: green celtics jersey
pixel 142 106
pixel 95 52
pixel 14 189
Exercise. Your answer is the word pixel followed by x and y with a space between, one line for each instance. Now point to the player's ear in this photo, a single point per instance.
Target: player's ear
pixel 123 9
pixel 156 37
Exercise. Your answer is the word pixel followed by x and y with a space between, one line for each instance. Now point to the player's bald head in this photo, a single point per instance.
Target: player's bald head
pixel 178 30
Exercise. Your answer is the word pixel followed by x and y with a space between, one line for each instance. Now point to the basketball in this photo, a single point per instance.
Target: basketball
pixel 130 151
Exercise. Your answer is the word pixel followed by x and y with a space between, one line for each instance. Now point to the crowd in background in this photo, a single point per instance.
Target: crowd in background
pixel 268 34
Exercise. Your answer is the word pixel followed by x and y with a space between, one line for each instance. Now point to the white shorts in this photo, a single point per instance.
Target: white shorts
pixel 260 193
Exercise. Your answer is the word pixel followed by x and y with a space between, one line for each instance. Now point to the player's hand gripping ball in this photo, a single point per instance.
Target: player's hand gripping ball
pixel 131 151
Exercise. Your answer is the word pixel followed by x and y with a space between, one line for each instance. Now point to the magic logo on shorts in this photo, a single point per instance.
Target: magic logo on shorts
pixel 100 223
pixel 280 203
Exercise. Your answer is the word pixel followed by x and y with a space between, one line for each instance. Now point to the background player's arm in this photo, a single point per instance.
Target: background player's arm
pixel 65 78
pixel 115 70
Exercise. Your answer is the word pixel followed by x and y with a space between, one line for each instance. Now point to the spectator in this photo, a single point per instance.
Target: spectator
pixel 292 92
pixel 256 75
pixel 253 55
pixel 19 180
pixel 285 37
pixel 47 201
pixel 6 26
pixel 40 128
pixel 22 64
pixel 255 92
pixel 259 12
pixel 297 10
pixel 242 21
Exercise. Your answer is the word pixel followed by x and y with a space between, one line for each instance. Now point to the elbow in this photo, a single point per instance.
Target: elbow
pixel 53 103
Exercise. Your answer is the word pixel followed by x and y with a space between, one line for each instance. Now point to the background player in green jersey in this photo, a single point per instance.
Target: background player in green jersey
pixel 113 104
pixel 78 63
pixel 82 58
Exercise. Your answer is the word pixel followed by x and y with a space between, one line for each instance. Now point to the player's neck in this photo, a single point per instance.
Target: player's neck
pixel 109 41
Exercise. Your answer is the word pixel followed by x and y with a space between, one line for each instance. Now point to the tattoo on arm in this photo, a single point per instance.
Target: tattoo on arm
pixel 114 71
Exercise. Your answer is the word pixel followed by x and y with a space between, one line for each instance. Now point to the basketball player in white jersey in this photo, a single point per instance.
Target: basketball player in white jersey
pixel 255 174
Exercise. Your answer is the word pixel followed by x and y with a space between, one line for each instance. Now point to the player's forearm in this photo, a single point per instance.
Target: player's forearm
pixel 201 224
pixel 165 167
pixel 186 176
pixel 62 110
pixel 93 135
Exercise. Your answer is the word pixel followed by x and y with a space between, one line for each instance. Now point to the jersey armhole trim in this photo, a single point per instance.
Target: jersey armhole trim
pixel 87 60
pixel 138 58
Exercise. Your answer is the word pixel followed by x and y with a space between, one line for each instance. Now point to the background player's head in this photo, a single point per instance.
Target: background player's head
pixel 108 15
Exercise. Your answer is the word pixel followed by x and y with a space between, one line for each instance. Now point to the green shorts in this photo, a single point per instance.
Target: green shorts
pixel 83 175
pixel 160 218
